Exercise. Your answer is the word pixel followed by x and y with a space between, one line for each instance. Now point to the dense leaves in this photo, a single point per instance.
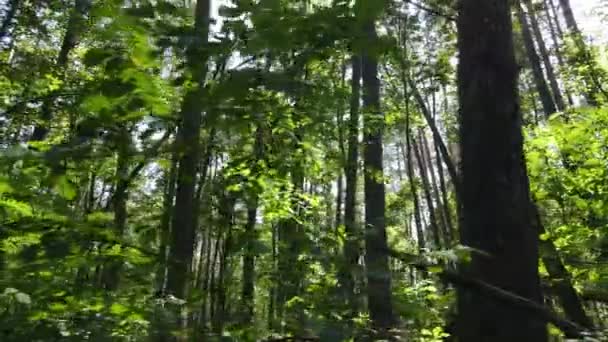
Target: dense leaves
pixel 255 119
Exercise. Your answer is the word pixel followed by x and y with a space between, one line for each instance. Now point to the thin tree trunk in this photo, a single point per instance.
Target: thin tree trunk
pixel 569 16
pixel 495 201
pixel 537 71
pixel 560 278
pixel 185 215
pixel 227 221
pixel 556 36
pixel 76 25
pixel 447 213
pixel 111 271
pixel 11 12
pixel 407 156
pixel 426 190
pixel 544 53
pixel 426 153
pixel 591 74
pixel 247 292
pixel 351 249
pixel 272 290
pixel 452 170
pixel 376 258
pixel 164 231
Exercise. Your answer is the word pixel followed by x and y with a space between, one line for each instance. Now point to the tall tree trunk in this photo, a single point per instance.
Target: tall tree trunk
pixel 76 25
pixel 9 15
pixel 351 246
pixel 226 212
pixel 452 170
pixel 185 215
pixel 426 190
pixel 376 256
pixel 447 213
pixel 569 16
pixel 537 71
pixel 407 156
pixel 557 36
pixel 272 290
pixel 560 278
pixel 495 201
pixel 544 53
pixel 111 271
pixel 164 231
pixel 247 292
pixel 426 152
pixel 592 72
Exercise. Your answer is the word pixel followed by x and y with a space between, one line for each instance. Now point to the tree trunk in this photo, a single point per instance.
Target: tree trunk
pixel 556 36
pixel 560 278
pixel 185 214
pixel 76 25
pixel 351 246
pixel 247 293
pixel 537 70
pixel 544 53
pixel 111 271
pixel 164 231
pixel 426 190
pixel 376 258
pixel 226 213
pixel 13 7
pixel 452 170
pixel 592 71
pixel 443 228
pixel 569 16
pixel 495 201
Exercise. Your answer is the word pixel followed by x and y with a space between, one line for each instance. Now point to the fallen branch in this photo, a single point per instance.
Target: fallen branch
pixel 489 290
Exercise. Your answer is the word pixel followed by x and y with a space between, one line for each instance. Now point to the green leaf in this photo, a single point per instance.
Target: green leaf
pixel 65 188
pixel 118 309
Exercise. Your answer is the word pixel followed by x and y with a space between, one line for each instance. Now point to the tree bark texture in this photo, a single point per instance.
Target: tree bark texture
pixel 376 258
pixel 495 200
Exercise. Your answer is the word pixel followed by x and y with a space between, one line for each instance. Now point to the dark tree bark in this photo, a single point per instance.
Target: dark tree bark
pixel 226 213
pixel 185 215
pixel 247 291
pixel 571 23
pixel 544 53
pixel 75 28
pixel 111 271
pixel 376 259
pixel 537 71
pixel 351 246
pixel 496 217
pixel 164 231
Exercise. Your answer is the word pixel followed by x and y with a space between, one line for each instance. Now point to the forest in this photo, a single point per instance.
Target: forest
pixel 303 170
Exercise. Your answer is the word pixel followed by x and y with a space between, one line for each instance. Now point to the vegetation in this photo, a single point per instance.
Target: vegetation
pixel 282 170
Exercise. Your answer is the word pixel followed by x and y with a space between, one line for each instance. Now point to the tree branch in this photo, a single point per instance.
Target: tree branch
pixel 494 292
pixel 431 10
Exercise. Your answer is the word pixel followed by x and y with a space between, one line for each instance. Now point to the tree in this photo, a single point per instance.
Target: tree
pixel 544 53
pixel 376 258
pixel 496 219
pixel 539 78
pixel 184 225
